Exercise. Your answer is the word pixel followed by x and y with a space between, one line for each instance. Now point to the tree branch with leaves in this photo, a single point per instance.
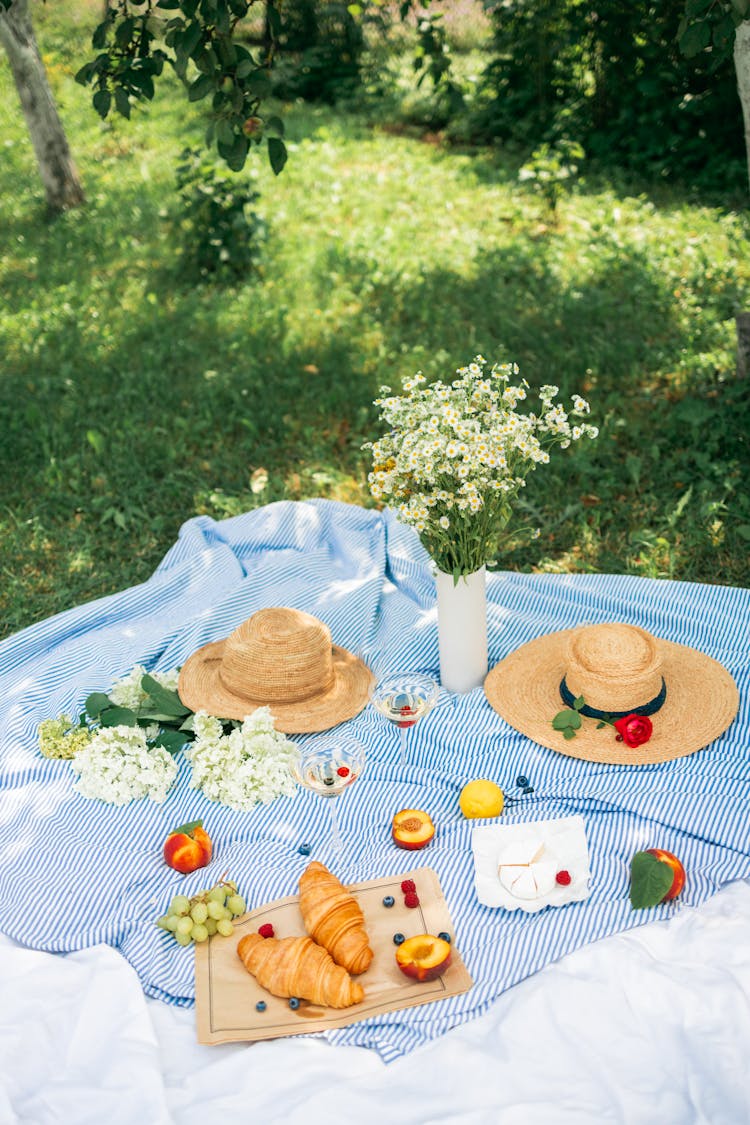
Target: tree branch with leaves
pixel 200 40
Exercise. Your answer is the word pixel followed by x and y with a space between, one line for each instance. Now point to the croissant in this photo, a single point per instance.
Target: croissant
pixel 298 967
pixel 333 918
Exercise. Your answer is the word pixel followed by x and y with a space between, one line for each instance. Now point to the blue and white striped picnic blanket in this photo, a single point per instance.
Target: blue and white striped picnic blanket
pixel 74 872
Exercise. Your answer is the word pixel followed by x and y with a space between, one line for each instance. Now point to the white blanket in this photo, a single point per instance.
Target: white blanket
pixel 651 1025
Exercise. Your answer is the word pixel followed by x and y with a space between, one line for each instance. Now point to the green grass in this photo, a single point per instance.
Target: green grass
pixel 131 401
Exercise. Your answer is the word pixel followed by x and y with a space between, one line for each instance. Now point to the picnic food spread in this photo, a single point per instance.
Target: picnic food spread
pixel 280 671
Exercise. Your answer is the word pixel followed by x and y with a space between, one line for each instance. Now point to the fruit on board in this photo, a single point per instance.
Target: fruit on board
pixel 481 798
pixel 412 829
pixel 188 847
pixel 423 957
pixel 207 913
pixel 678 871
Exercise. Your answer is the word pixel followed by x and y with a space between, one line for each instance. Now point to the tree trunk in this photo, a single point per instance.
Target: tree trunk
pixel 62 187
pixel 742 70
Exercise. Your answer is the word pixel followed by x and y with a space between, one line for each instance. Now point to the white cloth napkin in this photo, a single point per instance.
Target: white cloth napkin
pixel 511 859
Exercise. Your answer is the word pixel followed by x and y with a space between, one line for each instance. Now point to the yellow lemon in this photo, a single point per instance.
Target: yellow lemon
pixel 481 798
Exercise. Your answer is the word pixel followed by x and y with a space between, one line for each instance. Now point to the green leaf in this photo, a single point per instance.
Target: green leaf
pixel 579 702
pixel 567 721
pixel 695 7
pixel 568 734
pixel 190 39
pixel 85 74
pixel 695 39
pixel 124 32
pixel 224 131
pixel 102 100
pixel 259 83
pixel 274 20
pixel 170 740
pixel 245 67
pixel 236 153
pixel 186 829
pixel 274 127
pixel 122 105
pixel 148 715
pixel 165 699
pixel 189 724
pixel 96 703
pixel 201 88
pixel 276 154
pixel 744 531
pixel 650 880
pixel 118 717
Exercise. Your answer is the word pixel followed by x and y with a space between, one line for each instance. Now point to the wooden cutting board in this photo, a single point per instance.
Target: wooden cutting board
pixel 226 994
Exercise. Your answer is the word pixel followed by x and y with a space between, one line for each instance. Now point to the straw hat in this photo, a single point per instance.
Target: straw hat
pixel 283 659
pixel 618 669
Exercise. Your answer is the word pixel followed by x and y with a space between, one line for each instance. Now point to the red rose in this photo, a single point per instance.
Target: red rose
pixel 634 730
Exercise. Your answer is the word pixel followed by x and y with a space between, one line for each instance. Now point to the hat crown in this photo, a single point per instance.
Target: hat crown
pixel 280 655
pixel 615 667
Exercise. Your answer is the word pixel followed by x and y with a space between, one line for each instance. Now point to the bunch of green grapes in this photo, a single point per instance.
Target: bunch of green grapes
pixel 207 913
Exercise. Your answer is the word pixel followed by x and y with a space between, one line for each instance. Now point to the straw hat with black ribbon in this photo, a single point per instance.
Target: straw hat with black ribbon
pixel 619 670
pixel 281 658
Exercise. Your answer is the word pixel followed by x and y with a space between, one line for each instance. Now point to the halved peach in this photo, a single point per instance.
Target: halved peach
pixel 412 829
pixel 423 957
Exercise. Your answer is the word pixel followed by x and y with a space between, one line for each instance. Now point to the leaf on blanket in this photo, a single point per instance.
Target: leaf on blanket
pixel 164 700
pixel 650 880
pixel 118 717
pixel 96 703
pixel 171 740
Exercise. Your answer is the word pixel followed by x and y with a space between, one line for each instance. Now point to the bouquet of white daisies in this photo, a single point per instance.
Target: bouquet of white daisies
pixel 457 454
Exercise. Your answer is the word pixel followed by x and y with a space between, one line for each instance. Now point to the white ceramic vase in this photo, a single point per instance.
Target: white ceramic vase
pixel 462 630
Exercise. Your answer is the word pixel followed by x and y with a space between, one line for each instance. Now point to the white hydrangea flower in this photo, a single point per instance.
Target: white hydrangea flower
pixel 118 766
pixel 127 692
pixel 252 764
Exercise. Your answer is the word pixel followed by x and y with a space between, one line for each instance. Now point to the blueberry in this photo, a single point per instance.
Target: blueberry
pixel 388 900
pixel 398 939
pixel 522 781
pixel 260 1006
pixel 304 849
pixel 529 789
pixel 328 780
pixel 293 1003
pixel 445 937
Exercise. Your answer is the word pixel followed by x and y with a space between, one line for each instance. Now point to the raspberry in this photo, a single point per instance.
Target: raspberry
pixel 408 885
pixel 343 771
pixel 563 878
pixel 266 930
pixel 411 899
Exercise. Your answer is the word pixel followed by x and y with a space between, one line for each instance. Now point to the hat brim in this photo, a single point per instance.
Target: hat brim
pixel 702 700
pixel 200 688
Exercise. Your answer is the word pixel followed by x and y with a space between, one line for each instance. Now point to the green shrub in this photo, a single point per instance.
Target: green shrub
pixel 216 229
pixel 321 45
pixel 612 77
pixel 551 169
